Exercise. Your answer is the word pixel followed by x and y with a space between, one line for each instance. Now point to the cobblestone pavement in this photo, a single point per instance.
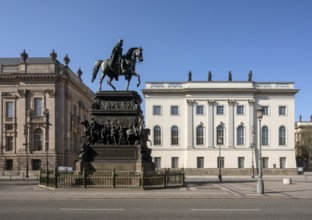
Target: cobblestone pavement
pixel 196 187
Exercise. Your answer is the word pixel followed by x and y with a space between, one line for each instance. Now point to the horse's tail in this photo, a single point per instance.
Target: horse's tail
pixel 96 68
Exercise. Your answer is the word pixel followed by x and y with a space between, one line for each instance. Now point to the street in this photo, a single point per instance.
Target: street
pixel 156 209
pixel 202 198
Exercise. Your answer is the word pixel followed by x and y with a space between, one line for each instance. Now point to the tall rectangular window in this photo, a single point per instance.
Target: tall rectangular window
pixel 282 162
pixel 9 143
pixel 241 162
pixel 240 110
pixel 199 110
pixel 38 107
pixel 174 162
pixel 35 164
pixel 265 110
pixel 9 164
pixel 156 110
pixel 200 162
pixel 265 162
pixel 157 162
pixel 220 110
pixel 9 110
pixel 282 110
pixel 174 110
pixel 220 162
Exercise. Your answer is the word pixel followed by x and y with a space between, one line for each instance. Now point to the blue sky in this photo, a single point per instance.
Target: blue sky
pixel 271 38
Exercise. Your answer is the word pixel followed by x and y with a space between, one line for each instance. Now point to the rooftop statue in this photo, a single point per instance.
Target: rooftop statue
pixel 119 64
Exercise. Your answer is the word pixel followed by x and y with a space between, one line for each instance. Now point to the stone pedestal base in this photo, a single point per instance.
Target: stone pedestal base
pixel 118 157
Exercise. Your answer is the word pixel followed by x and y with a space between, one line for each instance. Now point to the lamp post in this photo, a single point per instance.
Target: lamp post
pixel 260 184
pixel 252 152
pixel 46 112
pixel 219 162
pixel 220 175
pixel 26 148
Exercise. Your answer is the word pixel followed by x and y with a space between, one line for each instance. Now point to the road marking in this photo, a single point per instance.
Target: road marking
pixel 79 209
pixel 228 210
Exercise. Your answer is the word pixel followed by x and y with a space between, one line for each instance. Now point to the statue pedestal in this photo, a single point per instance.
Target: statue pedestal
pixel 118 157
pixel 116 138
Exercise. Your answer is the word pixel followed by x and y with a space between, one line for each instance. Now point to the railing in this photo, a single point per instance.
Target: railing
pixel 113 179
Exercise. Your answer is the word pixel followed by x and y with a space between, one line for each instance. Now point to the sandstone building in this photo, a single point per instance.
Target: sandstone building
pixel 42 104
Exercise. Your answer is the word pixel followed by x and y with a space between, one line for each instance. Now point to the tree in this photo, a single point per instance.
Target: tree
pixel 304 146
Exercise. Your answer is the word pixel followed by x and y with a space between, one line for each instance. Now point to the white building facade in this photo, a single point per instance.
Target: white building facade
pixel 201 125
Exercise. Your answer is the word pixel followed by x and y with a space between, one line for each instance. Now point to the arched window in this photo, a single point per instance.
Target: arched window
pixel 282 135
pixel 174 135
pixel 200 135
pixel 265 135
pixel 240 135
pixel 38 139
pixel 157 135
pixel 220 135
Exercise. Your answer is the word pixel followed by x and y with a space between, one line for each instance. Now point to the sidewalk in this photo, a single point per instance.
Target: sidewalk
pixel 243 187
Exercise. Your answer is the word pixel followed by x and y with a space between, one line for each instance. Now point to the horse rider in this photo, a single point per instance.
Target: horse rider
pixel 116 57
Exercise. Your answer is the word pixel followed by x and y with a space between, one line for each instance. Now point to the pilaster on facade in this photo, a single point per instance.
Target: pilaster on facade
pixel 190 123
pixel 211 133
pixel 231 124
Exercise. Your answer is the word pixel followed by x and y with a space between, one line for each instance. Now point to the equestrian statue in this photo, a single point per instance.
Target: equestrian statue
pixel 118 65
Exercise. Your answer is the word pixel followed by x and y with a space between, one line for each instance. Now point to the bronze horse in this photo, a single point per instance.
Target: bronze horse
pixel 129 62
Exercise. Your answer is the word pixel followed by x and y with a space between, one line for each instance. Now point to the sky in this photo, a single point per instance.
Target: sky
pixel 273 38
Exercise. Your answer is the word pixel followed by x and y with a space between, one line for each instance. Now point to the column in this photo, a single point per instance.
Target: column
pixel 251 122
pixel 211 123
pixel 190 123
pixel 231 123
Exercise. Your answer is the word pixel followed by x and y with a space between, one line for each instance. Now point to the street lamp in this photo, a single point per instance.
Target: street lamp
pixel 26 148
pixel 260 184
pixel 219 143
pixel 252 152
pixel 220 175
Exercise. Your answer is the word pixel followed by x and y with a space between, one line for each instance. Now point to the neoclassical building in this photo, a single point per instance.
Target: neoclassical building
pixel 204 125
pixel 42 104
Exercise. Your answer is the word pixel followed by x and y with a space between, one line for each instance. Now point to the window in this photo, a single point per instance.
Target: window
pixel 240 135
pixel 38 139
pixel 265 135
pixel 282 162
pixel 9 110
pixel 9 143
pixel 200 162
pixel 265 110
pixel 199 110
pixel 240 110
pixel 241 162
pixel 282 110
pixel 9 164
pixel 157 162
pixel 220 135
pixel 282 135
pixel 157 135
pixel 220 162
pixel 35 164
pixel 38 107
pixel 174 162
pixel 174 135
pixel 265 162
pixel 174 110
pixel 200 135
pixel 156 110
pixel 220 110
pixel 9 127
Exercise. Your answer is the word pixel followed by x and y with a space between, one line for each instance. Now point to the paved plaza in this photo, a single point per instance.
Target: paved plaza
pixel 232 187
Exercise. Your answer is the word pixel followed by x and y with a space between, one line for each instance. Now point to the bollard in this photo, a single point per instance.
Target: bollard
pixel 10 177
